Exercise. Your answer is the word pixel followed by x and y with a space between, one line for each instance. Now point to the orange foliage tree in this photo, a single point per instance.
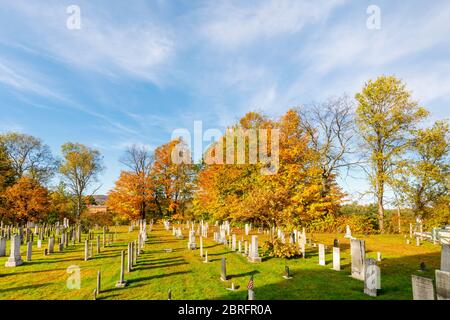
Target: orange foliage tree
pixel 27 200
pixel 290 197
pixel 131 190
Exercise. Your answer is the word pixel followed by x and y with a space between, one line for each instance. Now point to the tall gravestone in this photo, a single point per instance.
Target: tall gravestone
pixel 254 255
pixel 51 244
pixel 29 250
pixel 442 285
pixel 321 254
pixel 445 258
pixel 223 271
pixel 336 258
pixel 372 277
pixel 121 283
pixel 358 252
pixel 2 246
pixel 422 288
pixel 14 258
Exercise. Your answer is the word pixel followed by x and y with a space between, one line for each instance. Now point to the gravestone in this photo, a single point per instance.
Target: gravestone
pixel 61 247
pixel 122 282
pixel 29 249
pixel 254 255
pixel 442 285
pixel 191 243
pixel 201 246
pixel 223 273
pixel 86 250
pixel 422 267
pixel 372 277
pixel 336 243
pixel 98 244
pixel 336 259
pixel 206 257
pixel 245 253
pixel 239 246
pixel 233 242
pixel 287 274
pixel 358 250
pixel 418 241
pixel 51 244
pixel 348 232
pixel 321 254
pixel 14 258
pixel 2 246
pixel 422 288
pixel 379 256
pixel 99 278
pixel 445 258
pixel 39 243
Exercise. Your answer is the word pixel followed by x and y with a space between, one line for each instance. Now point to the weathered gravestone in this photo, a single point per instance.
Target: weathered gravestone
pixel 422 288
pixel 253 254
pixel 336 243
pixel 2 246
pixel 321 254
pixel 287 274
pixel 86 250
pixel 99 280
pixel 358 250
pixel 442 285
pixel 191 243
pixel 14 259
pixel 372 277
pixel 445 258
pixel 336 258
pixel 51 244
pixel 29 249
pixel 122 282
pixel 223 272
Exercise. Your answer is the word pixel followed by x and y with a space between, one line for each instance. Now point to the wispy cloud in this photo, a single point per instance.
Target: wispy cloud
pixel 231 24
pixel 135 48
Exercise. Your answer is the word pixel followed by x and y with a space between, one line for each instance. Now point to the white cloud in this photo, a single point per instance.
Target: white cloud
pixel 137 49
pixel 230 25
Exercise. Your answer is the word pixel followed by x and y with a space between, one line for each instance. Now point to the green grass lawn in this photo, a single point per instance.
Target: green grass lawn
pixel 183 272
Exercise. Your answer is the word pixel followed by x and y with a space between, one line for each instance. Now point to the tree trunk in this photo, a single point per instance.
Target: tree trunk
pixel 380 195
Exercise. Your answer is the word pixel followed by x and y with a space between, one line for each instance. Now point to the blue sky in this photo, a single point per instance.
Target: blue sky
pixel 137 70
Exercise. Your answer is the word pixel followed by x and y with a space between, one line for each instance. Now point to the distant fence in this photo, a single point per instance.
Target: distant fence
pixel 441 235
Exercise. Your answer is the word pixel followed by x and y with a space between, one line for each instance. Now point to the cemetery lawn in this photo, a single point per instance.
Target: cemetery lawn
pixel 183 272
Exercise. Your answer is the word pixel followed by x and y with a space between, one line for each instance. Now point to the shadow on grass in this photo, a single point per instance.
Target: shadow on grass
pixel 33 286
pixel 327 284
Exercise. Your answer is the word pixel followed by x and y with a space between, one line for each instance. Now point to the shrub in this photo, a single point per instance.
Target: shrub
pixel 278 249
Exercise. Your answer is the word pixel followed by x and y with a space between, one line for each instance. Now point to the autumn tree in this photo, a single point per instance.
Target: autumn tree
pixel 27 200
pixel 29 156
pixel 173 182
pixel 62 204
pixel 289 197
pixel 80 168
pixel 132 193
pixel 139 160
pixel 386 116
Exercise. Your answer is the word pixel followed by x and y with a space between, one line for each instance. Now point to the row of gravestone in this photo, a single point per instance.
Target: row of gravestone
pixel 423 288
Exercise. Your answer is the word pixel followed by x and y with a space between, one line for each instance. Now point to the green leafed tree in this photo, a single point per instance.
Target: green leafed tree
pixel 29 156
pixel 80 168
pixel 386 115
pixel 425 178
